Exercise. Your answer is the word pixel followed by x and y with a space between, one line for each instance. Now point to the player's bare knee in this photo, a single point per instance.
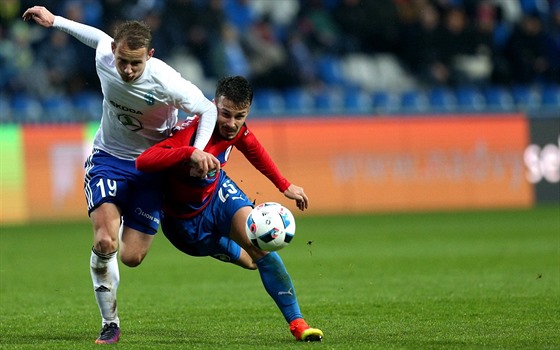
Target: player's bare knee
pixel 132 260
pixel 105 244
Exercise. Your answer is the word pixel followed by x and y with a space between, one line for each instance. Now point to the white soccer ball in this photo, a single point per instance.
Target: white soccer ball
pixel 270 226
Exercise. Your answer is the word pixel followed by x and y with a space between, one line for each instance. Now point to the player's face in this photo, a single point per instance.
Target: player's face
pixel 130 63
pixel 230 117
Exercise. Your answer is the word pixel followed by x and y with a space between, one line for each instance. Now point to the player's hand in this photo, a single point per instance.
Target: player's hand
pixel 204 164
pixel 296 193
pixel 40 14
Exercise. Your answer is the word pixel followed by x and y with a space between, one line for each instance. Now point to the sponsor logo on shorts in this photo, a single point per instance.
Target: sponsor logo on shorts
pixel 148 216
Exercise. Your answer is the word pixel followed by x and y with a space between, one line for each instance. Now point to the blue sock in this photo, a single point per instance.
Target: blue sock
pixel 279 286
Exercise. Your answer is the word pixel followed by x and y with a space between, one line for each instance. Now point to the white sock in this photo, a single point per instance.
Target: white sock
pixel 104 270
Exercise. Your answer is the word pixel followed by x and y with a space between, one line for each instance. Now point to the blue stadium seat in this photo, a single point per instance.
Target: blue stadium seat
pixel 239 14
pixel 329 100
pixel 267 102
pixel 551 96
pixel 498 99
pixel 414 101
pixel 530 6
pixel 298 100
pixel 5 110
pixel 385 102
pixel 88 106
pixel 525 97
pixel 501 35
pixel 357 100
pixel 442 99
pixel 469 99
pixel 26 109
pixel 58 109
pixel 329 70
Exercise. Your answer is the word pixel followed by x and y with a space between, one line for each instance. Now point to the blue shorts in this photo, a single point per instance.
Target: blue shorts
pixel 207 234
pixel 138 195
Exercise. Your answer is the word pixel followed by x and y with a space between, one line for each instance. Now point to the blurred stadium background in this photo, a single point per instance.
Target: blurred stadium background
pixel 397 104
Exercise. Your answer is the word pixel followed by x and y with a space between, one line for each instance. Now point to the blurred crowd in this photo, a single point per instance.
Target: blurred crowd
pixel 279 44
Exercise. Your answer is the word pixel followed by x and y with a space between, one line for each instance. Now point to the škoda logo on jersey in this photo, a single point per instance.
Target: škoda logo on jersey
pixel 125 108
pixel 129 121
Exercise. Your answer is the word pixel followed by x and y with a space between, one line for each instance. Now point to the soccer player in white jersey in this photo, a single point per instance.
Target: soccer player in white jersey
pixel 141 99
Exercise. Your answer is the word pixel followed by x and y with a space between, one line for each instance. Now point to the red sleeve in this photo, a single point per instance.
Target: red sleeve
pixel 261 160
pixel 168 153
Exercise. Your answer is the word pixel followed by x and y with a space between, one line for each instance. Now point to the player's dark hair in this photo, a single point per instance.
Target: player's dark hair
pixel 237 89
pixel 136 34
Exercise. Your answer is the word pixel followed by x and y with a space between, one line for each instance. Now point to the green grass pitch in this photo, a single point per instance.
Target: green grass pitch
pixel 451 280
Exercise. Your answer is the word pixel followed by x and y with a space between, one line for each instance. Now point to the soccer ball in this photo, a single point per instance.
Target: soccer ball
pixel 270 226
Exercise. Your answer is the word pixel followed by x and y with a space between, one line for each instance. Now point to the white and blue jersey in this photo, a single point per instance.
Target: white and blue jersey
pixel 136 115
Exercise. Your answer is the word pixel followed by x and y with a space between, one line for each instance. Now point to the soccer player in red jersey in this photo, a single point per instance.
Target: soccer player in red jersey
pixel 207 216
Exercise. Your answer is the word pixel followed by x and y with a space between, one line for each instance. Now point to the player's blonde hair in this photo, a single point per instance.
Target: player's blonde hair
pixel 136 34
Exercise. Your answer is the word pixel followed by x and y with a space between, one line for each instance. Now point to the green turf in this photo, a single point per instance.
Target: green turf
pixel 471 280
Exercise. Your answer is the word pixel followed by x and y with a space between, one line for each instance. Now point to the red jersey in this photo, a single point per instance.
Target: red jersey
pixel 185 195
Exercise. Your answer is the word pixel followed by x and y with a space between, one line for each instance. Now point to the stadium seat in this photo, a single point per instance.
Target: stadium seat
pixel 469 99
pixel 267 102
pixel 26 109
pixel 329 100
pixel 501 35
pixel 58 109
pixel 525 97
pixel 442 99
pixel 357 100
pixel 88 106
pixel 385 102
pixel 530 6
pixel 551 96
pixel 414 101
pixel 298 101
pixel 239 13
pixel 329 70
pixel 498 99
pixel 5 110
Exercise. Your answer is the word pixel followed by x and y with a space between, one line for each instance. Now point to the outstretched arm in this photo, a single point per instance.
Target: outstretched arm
pixel 255 153
pixel 296 193
pixel 88 35
pixel 40 15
